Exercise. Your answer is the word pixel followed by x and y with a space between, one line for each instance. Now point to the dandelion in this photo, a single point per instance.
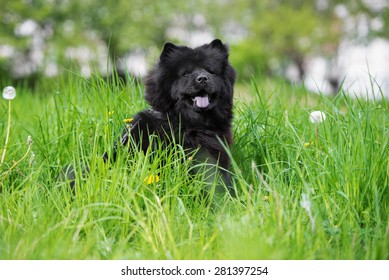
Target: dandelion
pixel 9 93
pixel 129 120
pixel 32 159
pixel 29 140
pixel 151 179
pixel 317 117
pixel 308 144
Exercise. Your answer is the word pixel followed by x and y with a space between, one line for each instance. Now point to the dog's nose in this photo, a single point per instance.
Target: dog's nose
pixel 202 78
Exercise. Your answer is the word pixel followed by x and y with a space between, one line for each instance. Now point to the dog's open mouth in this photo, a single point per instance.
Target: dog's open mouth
pixel 201 101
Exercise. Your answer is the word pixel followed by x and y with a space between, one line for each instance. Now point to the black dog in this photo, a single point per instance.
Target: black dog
pixel 190 92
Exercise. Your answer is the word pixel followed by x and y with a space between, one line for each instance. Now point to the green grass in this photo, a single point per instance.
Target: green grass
pixel 341 178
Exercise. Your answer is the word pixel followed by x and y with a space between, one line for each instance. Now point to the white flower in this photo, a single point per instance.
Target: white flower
pixel 317 117
pixel 32 159
pixel 9 93
pixel 29 140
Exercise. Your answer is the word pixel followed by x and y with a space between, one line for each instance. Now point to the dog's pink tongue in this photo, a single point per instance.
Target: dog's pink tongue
pixel 201 101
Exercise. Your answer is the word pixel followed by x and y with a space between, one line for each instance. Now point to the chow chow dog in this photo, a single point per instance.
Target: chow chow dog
pixel 190 91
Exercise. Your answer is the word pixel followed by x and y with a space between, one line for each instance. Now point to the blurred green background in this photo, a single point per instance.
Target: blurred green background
pixel 44 38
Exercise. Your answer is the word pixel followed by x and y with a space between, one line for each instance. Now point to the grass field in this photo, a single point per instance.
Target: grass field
pixel 305 191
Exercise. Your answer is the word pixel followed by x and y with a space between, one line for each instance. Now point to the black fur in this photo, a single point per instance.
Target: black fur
pixel 190 92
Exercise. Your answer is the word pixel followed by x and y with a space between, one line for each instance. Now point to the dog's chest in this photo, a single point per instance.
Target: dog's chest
pixel 194 137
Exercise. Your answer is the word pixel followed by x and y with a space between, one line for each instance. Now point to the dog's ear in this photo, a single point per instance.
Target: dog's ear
pixel 217 44
pixel 168 48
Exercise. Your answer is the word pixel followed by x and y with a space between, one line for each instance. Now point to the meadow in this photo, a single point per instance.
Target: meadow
pixel 304 190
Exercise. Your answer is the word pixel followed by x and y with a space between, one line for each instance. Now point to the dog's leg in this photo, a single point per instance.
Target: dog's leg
pixel 216 178
pixel 68 174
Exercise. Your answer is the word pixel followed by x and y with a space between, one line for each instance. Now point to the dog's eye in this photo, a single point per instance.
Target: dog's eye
pixel 211 72
pixel 186 74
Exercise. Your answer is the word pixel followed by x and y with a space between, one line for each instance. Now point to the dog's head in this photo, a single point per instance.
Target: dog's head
pixel 191 82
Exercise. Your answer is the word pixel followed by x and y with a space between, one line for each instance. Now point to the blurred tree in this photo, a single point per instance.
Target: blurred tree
pixel 24 24
pixel 384 17
pixel 281 32
pixel 265 35
pixel 125 24
pixel 250 59
pixel 58 25
pixel 379 13
pixel 288 31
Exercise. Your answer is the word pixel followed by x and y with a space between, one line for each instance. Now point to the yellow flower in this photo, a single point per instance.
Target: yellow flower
pixel 151 179
pixel 129 120
pixel 307 144
pixel 111 113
